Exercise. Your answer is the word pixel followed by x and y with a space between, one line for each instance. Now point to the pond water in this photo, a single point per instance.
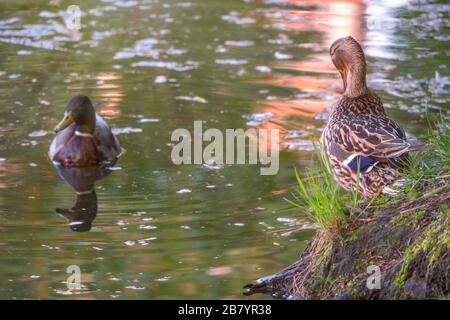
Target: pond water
pixel 157 230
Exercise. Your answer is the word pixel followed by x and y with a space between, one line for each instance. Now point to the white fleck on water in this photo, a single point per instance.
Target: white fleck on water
pixel 145 120
pixel 115 168
pixel 181 191
pixel 282 56
pixel 263 69
pixel 257 119
pixel 38 133
pixel 130 243
pixel 23 52
pixel 231 61
pixel 242 43
pixel 135 287
pixel 147 227
pixel 189 65
pixel 126 130
pixel 194 99
pixel 160 79
pixel 233 17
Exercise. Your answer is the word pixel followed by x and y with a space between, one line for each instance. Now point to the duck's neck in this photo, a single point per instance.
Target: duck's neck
pixel 356 81
pixel 86 125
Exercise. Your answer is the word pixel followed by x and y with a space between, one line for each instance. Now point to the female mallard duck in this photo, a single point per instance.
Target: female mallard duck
pixel 359 136
pixel 83 137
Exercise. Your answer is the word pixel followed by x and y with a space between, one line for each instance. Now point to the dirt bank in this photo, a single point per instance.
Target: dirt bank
pixel 409 240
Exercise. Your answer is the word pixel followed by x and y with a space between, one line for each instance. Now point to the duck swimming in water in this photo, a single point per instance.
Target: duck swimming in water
pixel 83 138
pixel 364 146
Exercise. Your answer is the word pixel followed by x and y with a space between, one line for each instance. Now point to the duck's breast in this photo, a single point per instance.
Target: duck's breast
pixel 60 140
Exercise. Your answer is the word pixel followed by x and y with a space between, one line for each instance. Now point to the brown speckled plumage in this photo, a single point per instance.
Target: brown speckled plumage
pixel 359 129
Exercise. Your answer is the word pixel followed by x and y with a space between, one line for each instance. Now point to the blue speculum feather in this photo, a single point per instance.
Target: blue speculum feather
pixel 364 163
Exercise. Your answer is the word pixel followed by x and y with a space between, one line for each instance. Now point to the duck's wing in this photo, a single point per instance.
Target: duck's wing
pixel 379 138
pixel 107 143
pixel 60 140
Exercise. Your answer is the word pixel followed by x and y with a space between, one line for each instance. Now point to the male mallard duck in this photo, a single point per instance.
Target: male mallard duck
pixel 359 136
pixel 83 137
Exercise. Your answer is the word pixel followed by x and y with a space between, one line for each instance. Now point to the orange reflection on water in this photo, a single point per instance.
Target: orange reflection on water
pixel 111 93
pixel 315 76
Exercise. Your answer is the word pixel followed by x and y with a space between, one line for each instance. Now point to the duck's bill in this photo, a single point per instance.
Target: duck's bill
pixel 65 122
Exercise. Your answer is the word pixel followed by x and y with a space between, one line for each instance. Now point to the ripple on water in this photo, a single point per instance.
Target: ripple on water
pixel 234 17
pixel 171 65
pixel 126 130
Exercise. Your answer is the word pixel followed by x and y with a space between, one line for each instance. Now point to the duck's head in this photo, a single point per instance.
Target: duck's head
pixel 81 111
pixel 348 58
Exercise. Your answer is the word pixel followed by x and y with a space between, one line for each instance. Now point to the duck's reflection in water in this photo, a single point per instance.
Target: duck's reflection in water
pixel 82 180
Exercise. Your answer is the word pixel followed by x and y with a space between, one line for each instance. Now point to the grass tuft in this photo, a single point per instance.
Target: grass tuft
pixel 424 168
pixel 319 196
